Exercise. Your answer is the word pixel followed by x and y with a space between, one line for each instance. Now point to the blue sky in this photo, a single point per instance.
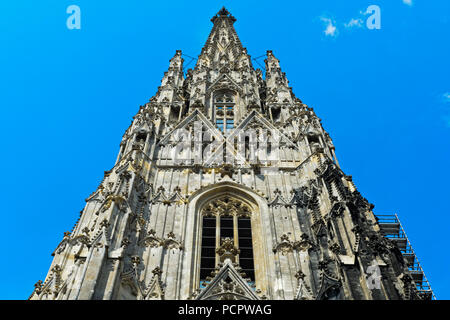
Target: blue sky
pixel 67 97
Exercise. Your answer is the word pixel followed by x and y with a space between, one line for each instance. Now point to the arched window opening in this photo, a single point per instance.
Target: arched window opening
pixel 224 111
pixel 141 137
pixel 247 147
pixel 330 231
pixel 174 113
pixel 276 114
pixel 226 218
pixel 314 142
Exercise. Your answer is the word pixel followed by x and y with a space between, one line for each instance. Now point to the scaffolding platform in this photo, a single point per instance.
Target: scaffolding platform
pixel 392 229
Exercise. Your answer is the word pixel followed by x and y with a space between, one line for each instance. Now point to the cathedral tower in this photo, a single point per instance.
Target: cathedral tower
pixel 226 186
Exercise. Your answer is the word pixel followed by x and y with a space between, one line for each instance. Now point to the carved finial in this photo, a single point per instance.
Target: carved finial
pixel 105 224
pixel 38 287
pixel 135 260
pixel 223 13
pixel 323 265
pixel 227 250
pixel 335 248
pixel 125 242
pixel 226 169
pixel 300 275
pixel 171 235
pixel 56 268
pixel 157 272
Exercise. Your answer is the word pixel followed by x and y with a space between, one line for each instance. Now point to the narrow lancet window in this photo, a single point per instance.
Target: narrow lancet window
pixel 224 111
pixel 208 253
pixel 246 247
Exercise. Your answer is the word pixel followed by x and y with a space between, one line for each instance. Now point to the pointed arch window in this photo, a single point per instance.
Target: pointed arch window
pixel 224 103
pixel 226 218
pixel 276 114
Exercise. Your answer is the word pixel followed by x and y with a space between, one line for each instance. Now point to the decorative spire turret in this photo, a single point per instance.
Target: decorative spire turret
pixel 223 43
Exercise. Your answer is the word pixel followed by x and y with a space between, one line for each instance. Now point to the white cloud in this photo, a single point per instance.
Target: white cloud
pixel 408 2
pixel 354 23
pixel 446 97
pixel 330 29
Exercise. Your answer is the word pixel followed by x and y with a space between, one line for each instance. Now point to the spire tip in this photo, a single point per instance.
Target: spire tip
pixel 223 13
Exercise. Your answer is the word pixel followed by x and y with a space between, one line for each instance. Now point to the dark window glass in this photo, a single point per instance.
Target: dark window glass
pixel 226 227
pixel 245 233
pixel 276 112
pixel 230 124
pixel 246 248
pixel 208 257
pixel 209 232
pixel 209 222
pixel 245 242
pixel 208 251
pixel 244 223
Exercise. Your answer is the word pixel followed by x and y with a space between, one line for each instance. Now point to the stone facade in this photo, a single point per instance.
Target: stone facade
pixel 140 236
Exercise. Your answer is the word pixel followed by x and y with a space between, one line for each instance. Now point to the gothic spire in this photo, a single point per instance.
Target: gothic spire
pixel 212 170
pixel 223 43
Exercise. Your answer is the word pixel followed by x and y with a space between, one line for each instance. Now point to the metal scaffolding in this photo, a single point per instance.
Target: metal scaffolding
pixel 392 229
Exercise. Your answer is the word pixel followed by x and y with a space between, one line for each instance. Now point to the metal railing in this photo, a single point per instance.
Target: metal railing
pixel 392 229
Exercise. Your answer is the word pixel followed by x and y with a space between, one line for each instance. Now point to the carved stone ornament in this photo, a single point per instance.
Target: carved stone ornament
pixel 285 246
pixel 227 206
pixel 227 250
